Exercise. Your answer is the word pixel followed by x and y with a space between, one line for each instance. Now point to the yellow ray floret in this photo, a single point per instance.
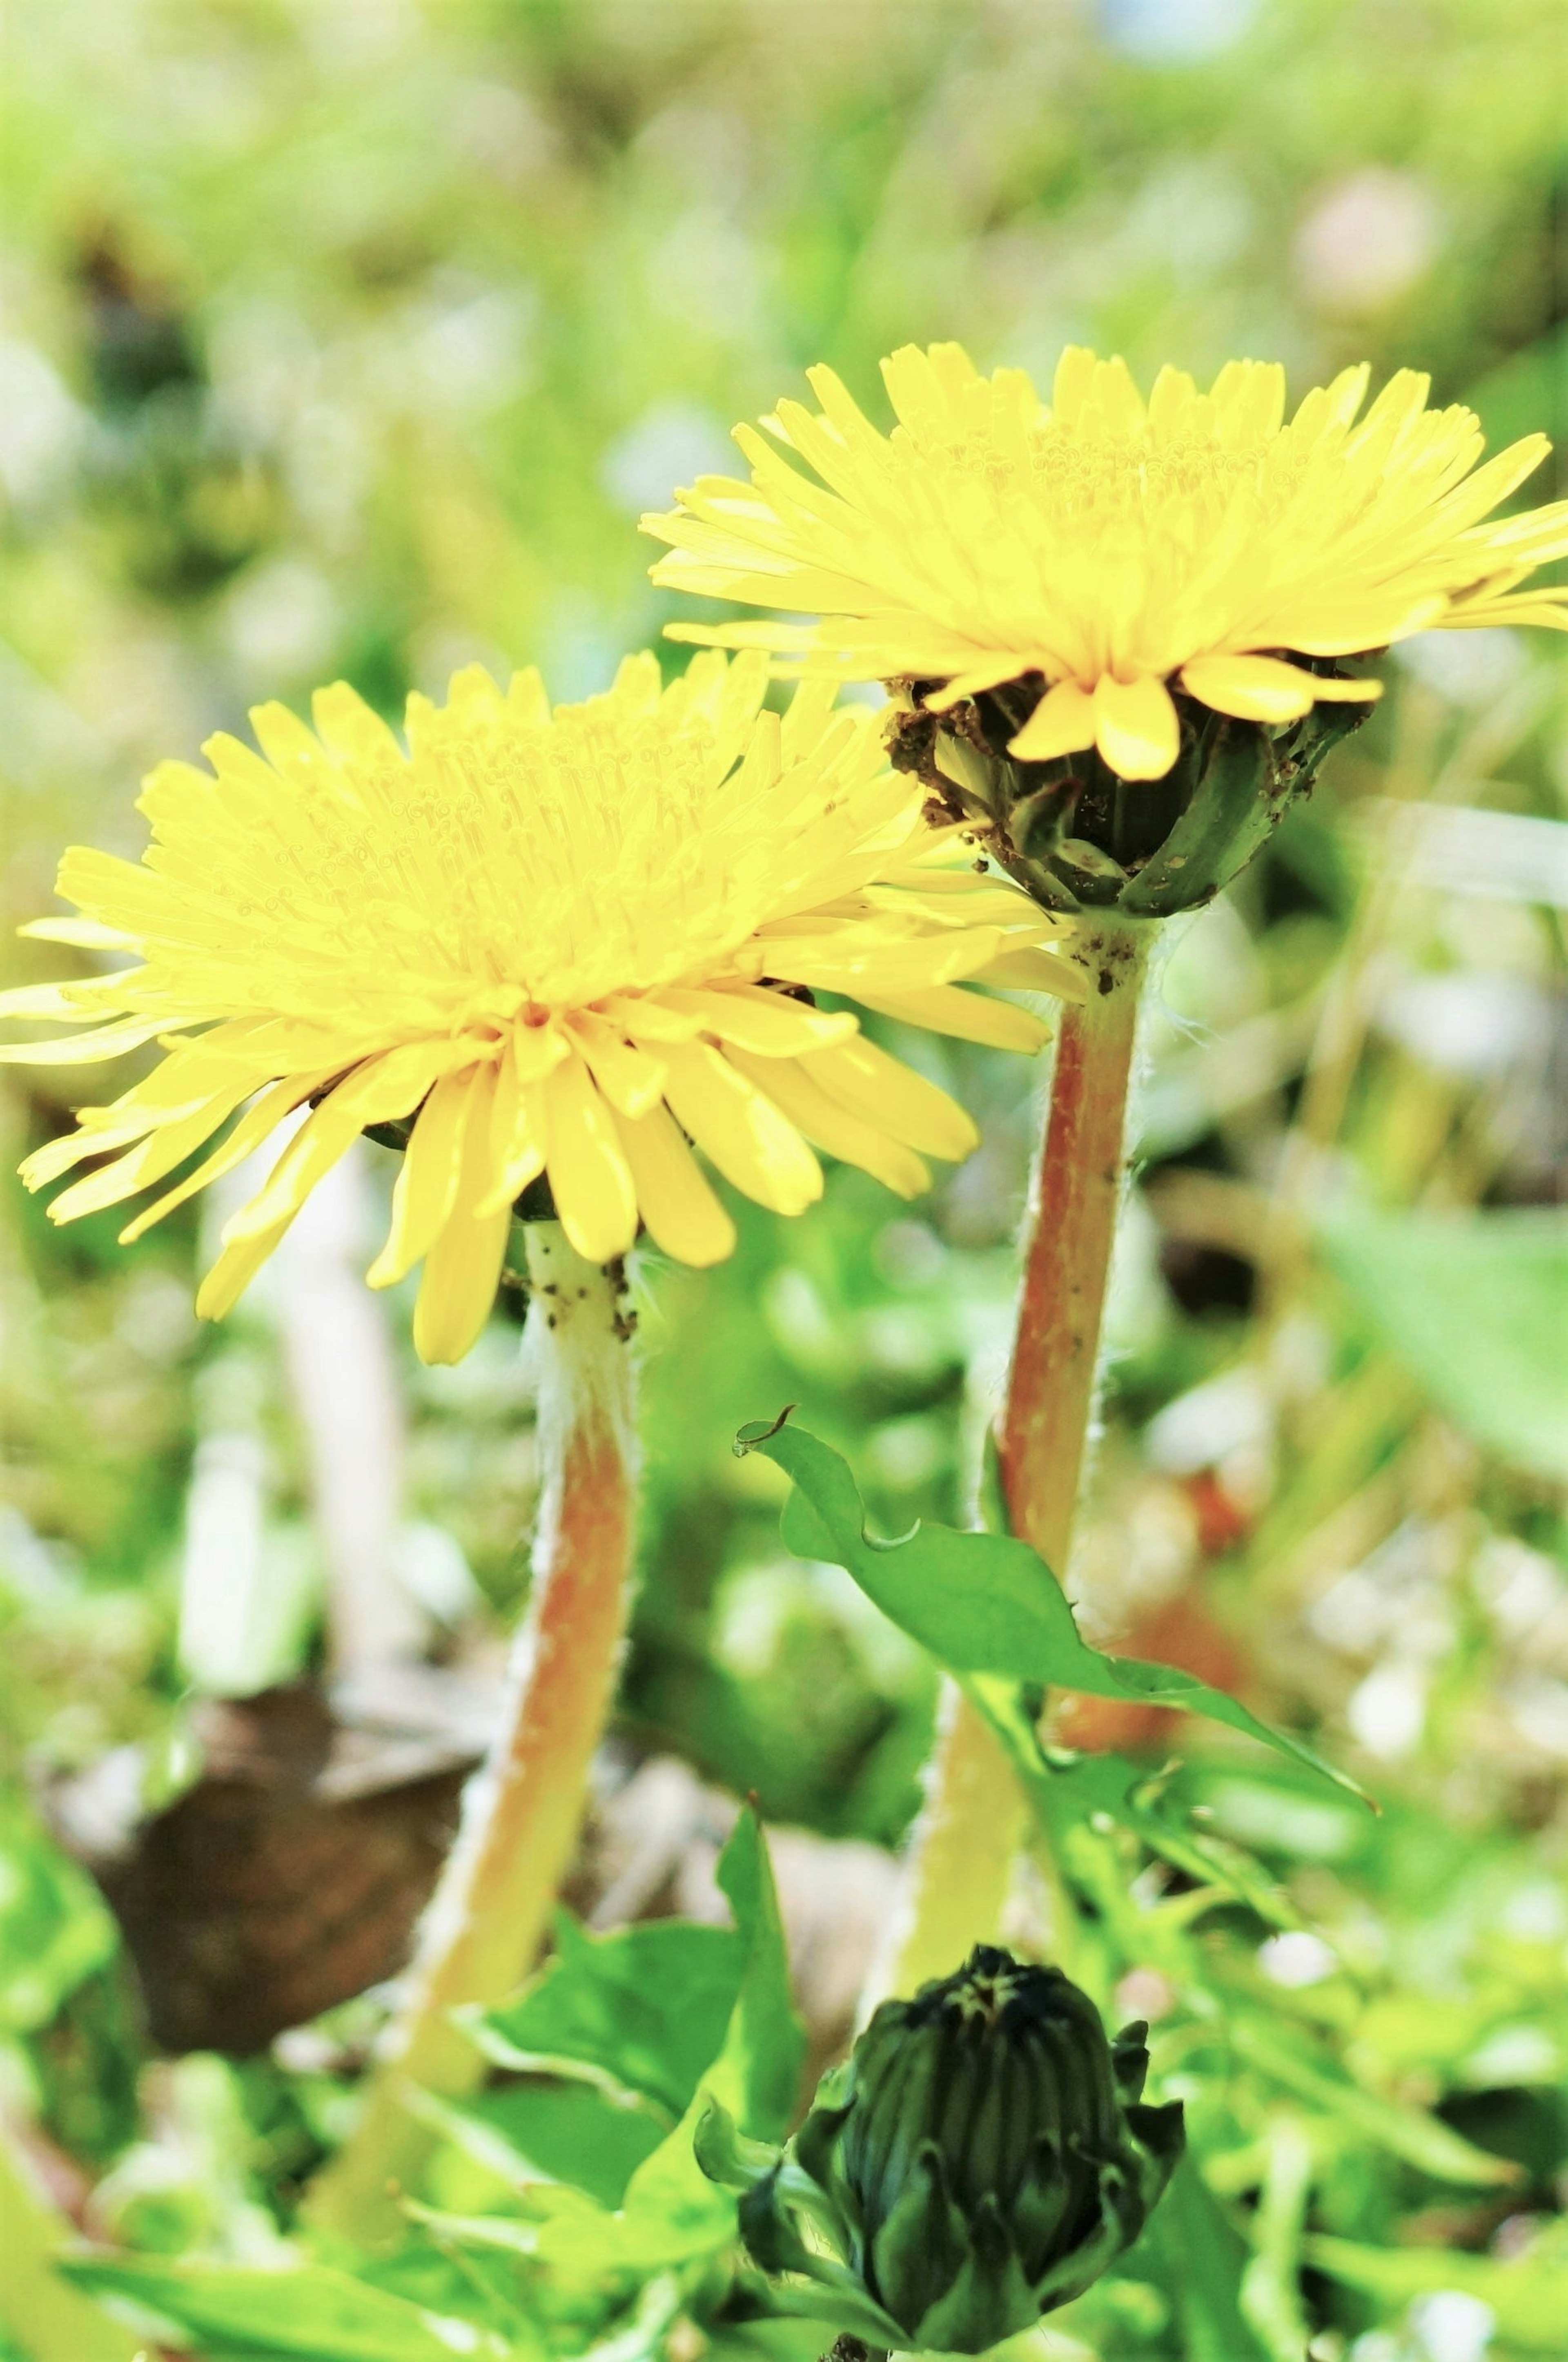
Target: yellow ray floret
pixel 1113 544
pixel 574 945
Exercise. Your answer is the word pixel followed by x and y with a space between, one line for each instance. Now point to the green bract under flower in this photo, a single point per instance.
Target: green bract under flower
pixel 1079 837
pixel 978 2160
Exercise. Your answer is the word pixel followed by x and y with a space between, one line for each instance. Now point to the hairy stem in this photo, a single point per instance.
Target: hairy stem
pixel 961 1859
pixel 523 1812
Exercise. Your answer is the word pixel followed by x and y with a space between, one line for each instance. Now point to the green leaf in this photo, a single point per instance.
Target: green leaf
pixel 1201 2259
pixel 672 2213
pixel 1476 1306
pixel 316 2312
pixel 758 2073
pixel 549 2130
pixel 1527 2294
pixel 1409 2132
pixel 644 2009
pixel 55 1930
pixel 982 1603
pixel 1066 1790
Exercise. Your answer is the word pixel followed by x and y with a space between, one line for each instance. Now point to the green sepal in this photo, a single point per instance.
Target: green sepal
pixel 1248 783
pixel 989 2299
pixel 922 2249
pixel 1081 840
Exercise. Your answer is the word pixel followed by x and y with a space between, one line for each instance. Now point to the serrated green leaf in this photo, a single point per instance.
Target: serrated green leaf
pixel 982 1603
pixel 1527 2294
pixel 317 2313
pixel 645 2008
pixel 1476 1307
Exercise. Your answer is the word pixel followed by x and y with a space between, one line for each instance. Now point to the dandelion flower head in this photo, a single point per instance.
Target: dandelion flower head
pixel 1115 548
pixel 568 944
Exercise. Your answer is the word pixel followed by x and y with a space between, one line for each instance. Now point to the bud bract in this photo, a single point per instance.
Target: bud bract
pixel 1076 837
pixel 978 2160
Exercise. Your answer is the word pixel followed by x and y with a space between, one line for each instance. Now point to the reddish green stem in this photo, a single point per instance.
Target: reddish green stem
pixel 961 1861
pixel 522 1817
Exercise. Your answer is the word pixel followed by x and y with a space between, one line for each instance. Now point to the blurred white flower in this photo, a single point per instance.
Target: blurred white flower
pixel 1175 31
pixel 281 622
pixel 1297 1957
pixel 670 443
pixel 1471 669
pixel 1367 241
pixel 39 423
pixel 1452 2326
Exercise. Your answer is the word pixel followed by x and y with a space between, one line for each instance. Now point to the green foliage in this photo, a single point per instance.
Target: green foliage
pixel 637 2007
pixel 1478 1308
pixel 714 2025
pixel 55 1931
pixel 1527 2296
pixel 1200 2257
pixel 982 1603
pixel 312 2312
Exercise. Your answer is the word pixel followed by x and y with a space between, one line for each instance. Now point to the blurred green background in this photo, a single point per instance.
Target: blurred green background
pixel 350 337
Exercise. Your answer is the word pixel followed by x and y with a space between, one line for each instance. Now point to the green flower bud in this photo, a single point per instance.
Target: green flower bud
pixel 979 2158
pixel 1080 839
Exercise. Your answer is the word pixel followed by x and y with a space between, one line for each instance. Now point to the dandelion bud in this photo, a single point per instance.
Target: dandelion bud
pixel 979 2158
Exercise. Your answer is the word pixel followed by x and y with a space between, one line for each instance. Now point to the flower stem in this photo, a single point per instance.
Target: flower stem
pixel 522 1815
pixel 960 1863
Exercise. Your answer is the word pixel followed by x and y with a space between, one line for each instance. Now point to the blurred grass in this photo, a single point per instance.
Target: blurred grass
pixel 350 337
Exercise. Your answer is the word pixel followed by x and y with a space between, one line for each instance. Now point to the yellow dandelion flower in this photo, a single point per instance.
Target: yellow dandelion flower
pixel 567 944
pixel 1112 545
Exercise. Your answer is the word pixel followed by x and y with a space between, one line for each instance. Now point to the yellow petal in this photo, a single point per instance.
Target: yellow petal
pixel 250 1236
pixel 970 1016
pixel 462 1262
pixel 157 1155
pixel 1035 969
pixel 883 1090
pixel 676 1200
pixel 1062 723
pixel 646 1017
pixel 254 1125
pixel 85 934
pixel 535 1049
pixel 85 1049
pixel 519 1140
pixel 591 1180
pixel 749 1139
pixel 846 961
pixel 458 1285
pixel 348 727
pixel 629 1079
pixel 770 1023
pixel 1349 626
pixel 1136 728
pixel 1254 688
pixel 427 1181
pixel 47 1004
pixel 832 1127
